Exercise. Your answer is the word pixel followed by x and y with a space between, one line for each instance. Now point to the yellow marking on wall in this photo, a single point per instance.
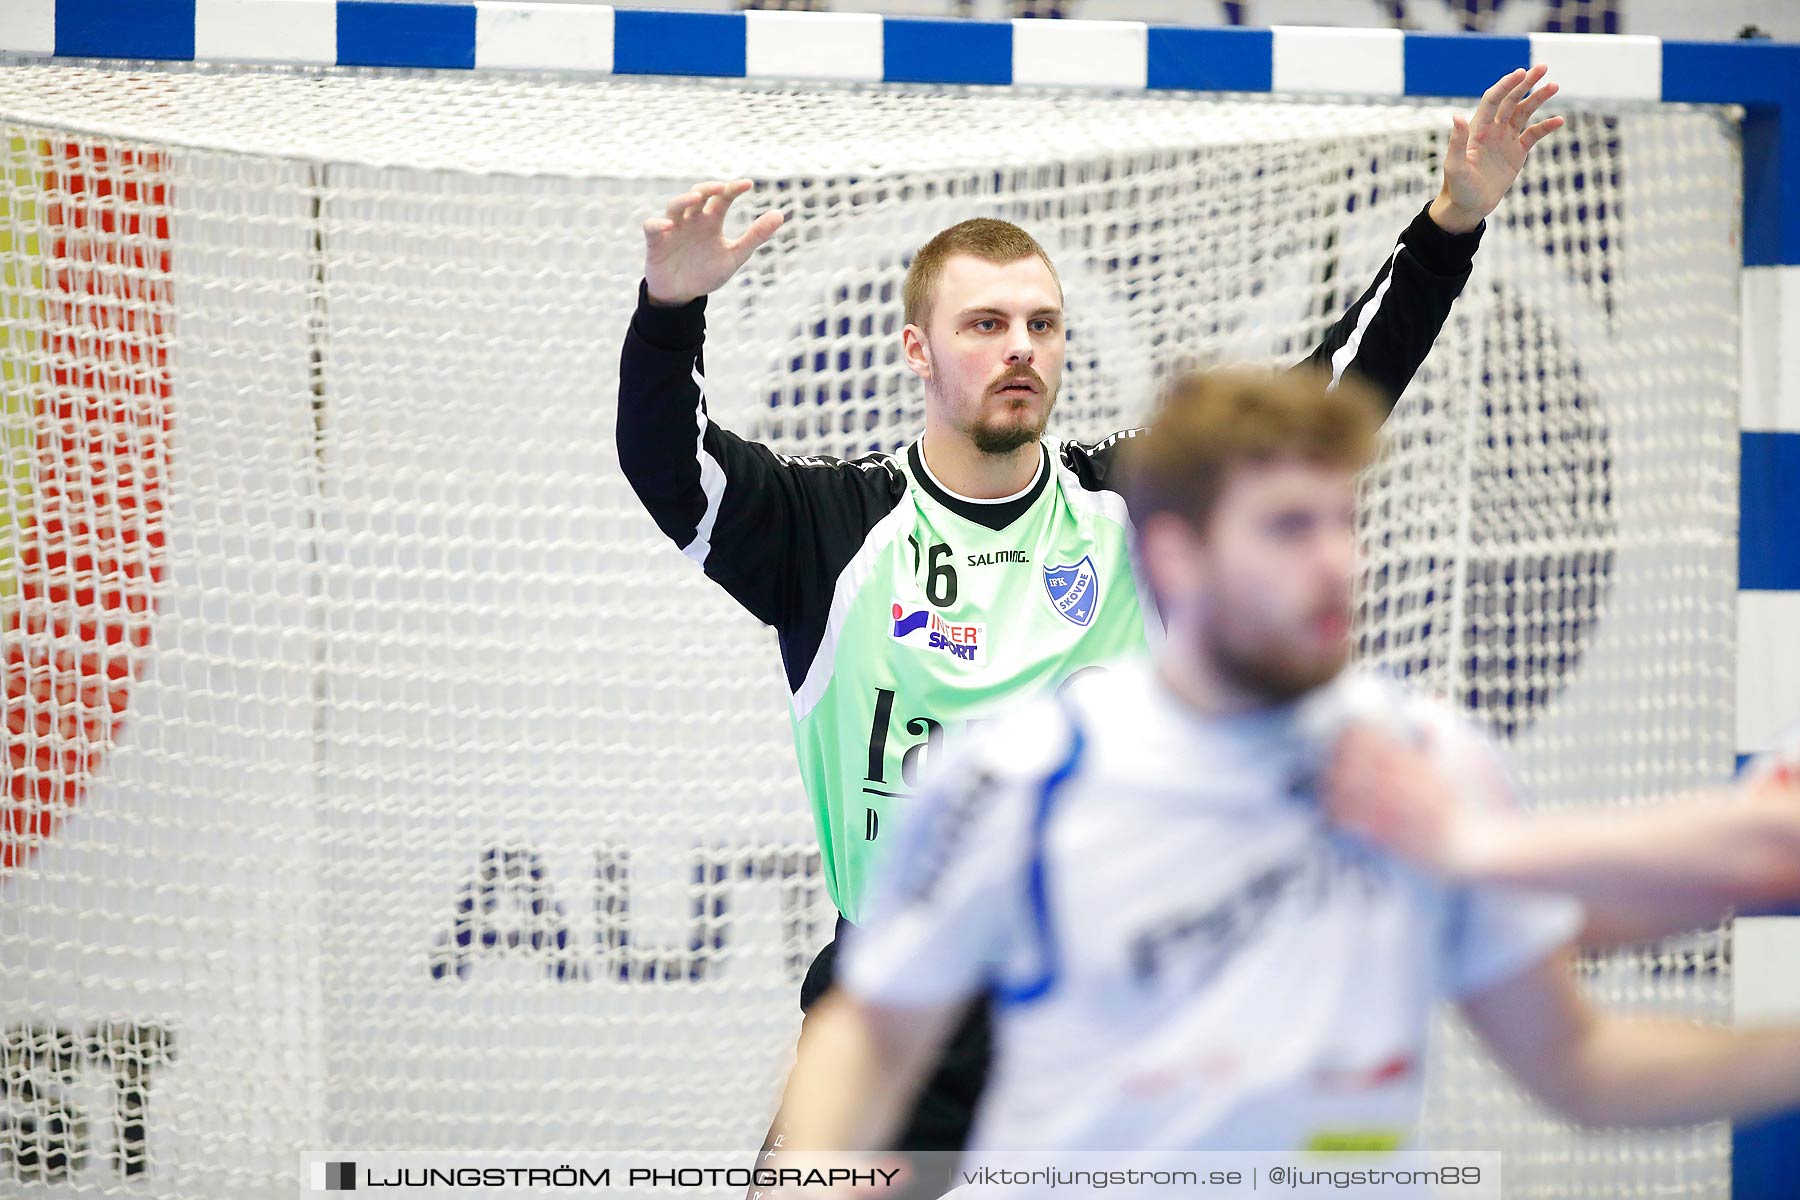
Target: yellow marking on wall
pixel 1355 1141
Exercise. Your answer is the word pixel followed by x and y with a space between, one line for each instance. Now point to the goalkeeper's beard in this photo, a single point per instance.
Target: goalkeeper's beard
pixel 998 429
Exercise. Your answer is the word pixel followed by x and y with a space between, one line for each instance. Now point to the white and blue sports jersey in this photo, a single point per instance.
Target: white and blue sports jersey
pixel 1182 953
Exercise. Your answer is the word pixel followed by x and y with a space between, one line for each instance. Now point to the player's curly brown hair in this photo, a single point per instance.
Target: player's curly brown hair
pixel 1212 421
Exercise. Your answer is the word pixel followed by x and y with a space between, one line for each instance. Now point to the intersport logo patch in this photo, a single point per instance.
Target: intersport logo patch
pixel 925 630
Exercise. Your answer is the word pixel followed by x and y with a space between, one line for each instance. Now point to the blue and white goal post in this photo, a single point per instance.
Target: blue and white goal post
pixel 592 45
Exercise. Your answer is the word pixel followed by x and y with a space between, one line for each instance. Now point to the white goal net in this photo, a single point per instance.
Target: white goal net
pixel 378 776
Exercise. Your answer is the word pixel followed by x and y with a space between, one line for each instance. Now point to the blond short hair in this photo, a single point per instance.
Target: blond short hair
pixel 985 238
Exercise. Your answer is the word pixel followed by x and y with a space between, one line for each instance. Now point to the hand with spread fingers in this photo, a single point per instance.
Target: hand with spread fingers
pixel 686 252
pixel 1488 150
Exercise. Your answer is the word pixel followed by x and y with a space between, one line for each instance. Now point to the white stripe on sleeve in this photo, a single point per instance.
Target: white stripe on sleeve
pixel 1346 354
pixel 712 482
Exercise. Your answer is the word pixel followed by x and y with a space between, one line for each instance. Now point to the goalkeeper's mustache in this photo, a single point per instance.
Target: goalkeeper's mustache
pixel 1019 375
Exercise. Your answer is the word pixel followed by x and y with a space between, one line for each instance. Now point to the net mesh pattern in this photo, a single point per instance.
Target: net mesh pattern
pixel 378 775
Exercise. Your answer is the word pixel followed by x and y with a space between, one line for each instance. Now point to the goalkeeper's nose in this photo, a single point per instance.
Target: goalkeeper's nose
pixel 1019 350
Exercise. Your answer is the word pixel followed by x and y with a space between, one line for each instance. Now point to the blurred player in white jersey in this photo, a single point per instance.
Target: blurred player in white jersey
pixel 1183 951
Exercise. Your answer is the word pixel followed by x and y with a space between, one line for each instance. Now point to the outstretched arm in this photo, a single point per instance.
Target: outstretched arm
pixel 678 461
pixel 1641 874
pixel 1598 1069
pixel 773 531
pixel 1387 333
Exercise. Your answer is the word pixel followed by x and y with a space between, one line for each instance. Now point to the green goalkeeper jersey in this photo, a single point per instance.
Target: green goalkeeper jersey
pixel 905 611
pixel 949 609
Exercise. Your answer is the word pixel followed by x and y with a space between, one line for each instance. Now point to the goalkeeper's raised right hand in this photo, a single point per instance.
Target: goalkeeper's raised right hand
pixel 686 253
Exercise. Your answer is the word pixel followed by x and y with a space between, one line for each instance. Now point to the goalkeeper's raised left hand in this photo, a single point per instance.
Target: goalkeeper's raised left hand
pixel 1487 150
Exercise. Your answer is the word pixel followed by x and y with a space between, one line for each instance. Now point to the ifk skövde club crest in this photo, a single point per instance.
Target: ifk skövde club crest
pixel 1074 590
